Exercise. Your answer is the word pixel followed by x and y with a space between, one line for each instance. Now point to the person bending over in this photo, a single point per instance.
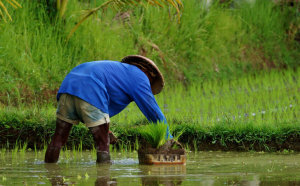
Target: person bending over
pixel 95 91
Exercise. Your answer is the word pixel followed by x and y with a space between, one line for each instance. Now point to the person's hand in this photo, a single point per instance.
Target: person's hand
pixel 112 138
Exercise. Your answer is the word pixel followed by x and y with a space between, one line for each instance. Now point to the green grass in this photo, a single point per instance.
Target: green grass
pixel 218 42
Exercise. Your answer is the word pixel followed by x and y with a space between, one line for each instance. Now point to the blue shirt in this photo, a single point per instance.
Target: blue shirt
pixel 111 86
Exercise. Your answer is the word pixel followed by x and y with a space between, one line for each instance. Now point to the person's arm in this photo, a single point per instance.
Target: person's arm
pixel 146 102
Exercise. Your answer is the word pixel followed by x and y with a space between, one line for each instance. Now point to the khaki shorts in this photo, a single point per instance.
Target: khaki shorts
pixel 72 109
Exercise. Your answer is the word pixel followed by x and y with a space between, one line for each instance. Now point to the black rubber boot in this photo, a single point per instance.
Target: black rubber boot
pixel 101 138
pixel 103 157
pixel 59 139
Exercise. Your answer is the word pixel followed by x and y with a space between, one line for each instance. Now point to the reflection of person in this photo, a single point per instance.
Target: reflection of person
pixel 95 91
pixel 103 176
pixel 54 174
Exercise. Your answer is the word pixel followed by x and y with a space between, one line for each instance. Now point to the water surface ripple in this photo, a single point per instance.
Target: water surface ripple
pixel 202 168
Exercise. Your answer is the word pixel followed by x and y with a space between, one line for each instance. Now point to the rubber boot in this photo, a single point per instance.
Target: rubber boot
pixel 59 139
pixel 101 138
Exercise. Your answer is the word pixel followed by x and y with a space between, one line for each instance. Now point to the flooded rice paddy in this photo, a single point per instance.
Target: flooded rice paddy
pixel 202 168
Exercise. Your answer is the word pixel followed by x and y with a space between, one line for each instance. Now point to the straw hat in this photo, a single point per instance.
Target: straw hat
pixel 147 65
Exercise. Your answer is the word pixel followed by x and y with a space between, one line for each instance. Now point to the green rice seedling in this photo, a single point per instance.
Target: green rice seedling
pixel 3 153
pixel 44 148
pixel 114 148
pixel 80 146
pixel 110 148
pixel 23 149
pixel 195 145
pixel 126 148
pixel 155 134
pixel 67 154
pixel 136 144
pixel 7 144
pixel 187 147
pixel 129 147
pixel 75 152
pixel 178 134
pixel 94 152
pixel 14 153
pixel 15 150
pixel 121 146
pixel 35 149
pixel 73 147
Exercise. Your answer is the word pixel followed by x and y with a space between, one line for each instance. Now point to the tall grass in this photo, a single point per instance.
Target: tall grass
pixel 210 43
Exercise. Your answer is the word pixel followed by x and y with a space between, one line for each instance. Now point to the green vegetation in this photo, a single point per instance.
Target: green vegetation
pixel 251 113
pixel 155 134
pixel 231 70
pixel 218 42
pixel 3 10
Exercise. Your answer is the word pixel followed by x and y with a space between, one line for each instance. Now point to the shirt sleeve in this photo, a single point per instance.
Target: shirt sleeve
pixel 146 102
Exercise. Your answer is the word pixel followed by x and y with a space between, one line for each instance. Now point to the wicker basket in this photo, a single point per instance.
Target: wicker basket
pixel 160 159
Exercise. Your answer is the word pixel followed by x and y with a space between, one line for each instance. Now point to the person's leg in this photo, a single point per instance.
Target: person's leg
pixel 59 139
pixel 98 123
pixel 66 117
pixel 101 138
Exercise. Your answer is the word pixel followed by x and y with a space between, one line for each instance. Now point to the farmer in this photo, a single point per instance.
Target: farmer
pixel 95 91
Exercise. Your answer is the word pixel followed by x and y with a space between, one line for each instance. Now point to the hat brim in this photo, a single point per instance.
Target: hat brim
pixel 145 63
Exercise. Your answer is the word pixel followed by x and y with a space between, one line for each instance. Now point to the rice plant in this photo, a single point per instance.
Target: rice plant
pixel 154 134
pixel 136 144
pixel 263 99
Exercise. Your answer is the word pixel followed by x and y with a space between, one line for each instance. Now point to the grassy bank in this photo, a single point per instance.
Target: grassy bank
pixel 250 113
pixel 210 43
pixel 36 133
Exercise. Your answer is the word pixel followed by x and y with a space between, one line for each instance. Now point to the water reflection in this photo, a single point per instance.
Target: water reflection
pixel 104 177
pixel 203 168
pixel 55 175
pixel 163 174
pixel 254 182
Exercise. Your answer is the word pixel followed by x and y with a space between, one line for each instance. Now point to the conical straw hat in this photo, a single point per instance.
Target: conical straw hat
pixel 148 65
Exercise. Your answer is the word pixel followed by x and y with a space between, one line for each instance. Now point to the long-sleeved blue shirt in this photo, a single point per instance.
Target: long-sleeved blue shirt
pixel 110 86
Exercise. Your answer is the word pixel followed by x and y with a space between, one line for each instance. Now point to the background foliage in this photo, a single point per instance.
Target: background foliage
pixel 211 42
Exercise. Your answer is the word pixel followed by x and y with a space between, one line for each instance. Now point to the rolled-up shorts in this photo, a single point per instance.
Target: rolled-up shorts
pixel 73 110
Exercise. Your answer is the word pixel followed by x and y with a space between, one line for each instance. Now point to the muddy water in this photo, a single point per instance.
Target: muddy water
pixel 202 168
